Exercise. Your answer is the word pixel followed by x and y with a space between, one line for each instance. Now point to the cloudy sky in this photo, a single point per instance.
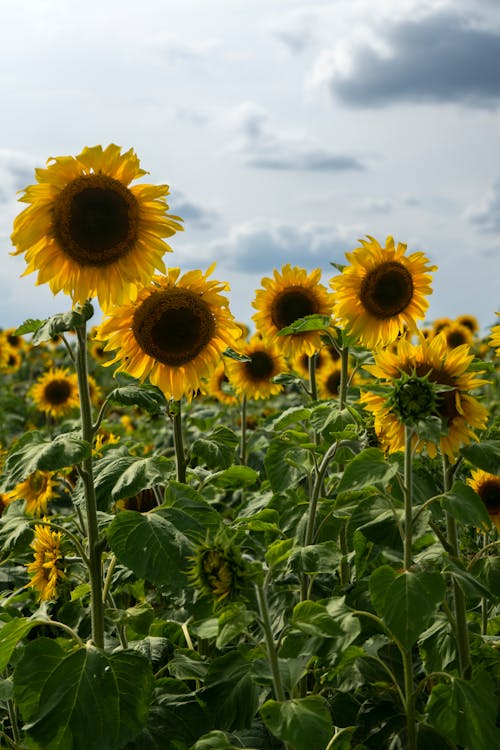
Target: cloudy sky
pixel 286 130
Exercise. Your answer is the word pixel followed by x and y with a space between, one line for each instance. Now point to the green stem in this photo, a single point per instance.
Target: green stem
pixel 94 545
pixel 243 434
pixel 279 692
pixel 16 735
pixel 344 359
pixel 411 728
pixel 408 498
pixel 180 460
pixel 460 609
pixel 312 376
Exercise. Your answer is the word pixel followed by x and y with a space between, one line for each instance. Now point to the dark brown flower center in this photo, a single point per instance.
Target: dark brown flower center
pixel 489 492
pixel 96 220
pixel 57 392
pixel 173 326
pixel 260 367
pixel 37 482
pixel 332 383
pixel 291 304
pixel 387 290
pixel 456 338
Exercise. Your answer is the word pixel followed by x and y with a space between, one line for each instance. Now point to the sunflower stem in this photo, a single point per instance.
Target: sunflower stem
pixel 312 376
pixel 243 434
pixel 411 728
pixel 344 358
pixel 180 460
pixel 459 606
pixel 279 692
pixel 94 548
pixel 408 498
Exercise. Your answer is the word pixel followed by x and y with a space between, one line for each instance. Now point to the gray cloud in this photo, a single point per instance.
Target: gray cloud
pixel 261 246
pixel 194 214
pixel 437 58
pixel 486 215
pixel 263 148
pixel 16 173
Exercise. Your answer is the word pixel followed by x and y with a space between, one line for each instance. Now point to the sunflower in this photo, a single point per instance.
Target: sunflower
pixel 174 333
pixel 46 569
pixel 142 502
pixel 254 378
pixel 216 386
pixel 14 340
pixel 470 322
pixel 459 412
pixel 14 360
pixel 287 297
pixel 328 380
pixel 382 292
pixel 487 487
pixel 37 489
pixel 218 569
pixel 495 338
pixel 440 324
pixel 457 334
pixel 56 392
pixel 88 232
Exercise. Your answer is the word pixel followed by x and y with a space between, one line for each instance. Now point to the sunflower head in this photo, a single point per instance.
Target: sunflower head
pixel 382 292
pixel 56 392
pixel 429 387
pixel 495 338
pixel 457 334
pixel 175 332
pixel 254 377
pixel 218 569
pixel 142 502
pixel 470 322
pixel 284 299
pixel 37 489
pixel 219 387
pixel 487 487
pixel 46 570
pixel 89 232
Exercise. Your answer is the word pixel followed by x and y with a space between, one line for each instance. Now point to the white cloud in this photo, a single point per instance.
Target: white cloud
pixel 486 213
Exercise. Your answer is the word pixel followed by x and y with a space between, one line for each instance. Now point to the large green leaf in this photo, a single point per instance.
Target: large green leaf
pixel 409 602
pixel 140 474
pixel 84 698
pixel 34 452
pixel 230 693
pixel 315 322
pixel 10 635
pixel 280 472
pixel 150 546
pixel 313 618
pixel 215 740
pixel 370 467
pixel 303 723
pixel 45 330
pixel 145 396
pixel 466 506
pixel 465 712
pixel 217 449
pixel 188 510
pixel 485 455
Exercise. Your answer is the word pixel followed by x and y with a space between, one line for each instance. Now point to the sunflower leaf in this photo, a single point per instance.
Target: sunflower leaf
pixel 33 452
pixel 84 698
pixel 232 354
pixel 307 323
pixel 297 721
pixel 45 330
pixel 484 455
pixel 466 506
pixel 29 326
pixel 368 468
pixel 147 397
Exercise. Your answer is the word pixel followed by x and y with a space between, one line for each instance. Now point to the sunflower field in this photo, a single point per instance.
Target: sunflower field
pixel 228 535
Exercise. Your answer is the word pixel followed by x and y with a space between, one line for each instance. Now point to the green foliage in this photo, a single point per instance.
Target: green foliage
pixel 298 721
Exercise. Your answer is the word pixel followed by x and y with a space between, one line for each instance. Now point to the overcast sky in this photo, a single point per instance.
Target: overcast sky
pixel 286 130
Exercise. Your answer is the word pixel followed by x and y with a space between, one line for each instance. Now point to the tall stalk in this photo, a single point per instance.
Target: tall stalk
pixel 86 471
pixel 243 431
pixel 459 606
pixel 408 498
pixel 180 459
pixel 279 692
pixel 312 376
pixel 344 360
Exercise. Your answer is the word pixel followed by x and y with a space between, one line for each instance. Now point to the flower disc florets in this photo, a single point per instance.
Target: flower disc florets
pixel 414 398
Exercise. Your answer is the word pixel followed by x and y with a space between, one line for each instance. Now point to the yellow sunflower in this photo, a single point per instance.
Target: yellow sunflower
pixel 217 386
pixel 254 378
pixel 470 322
pixel 174 333
pixel 46 570
pixel 287 297
pixel 460 412
pixel 37 489
pixel 495 338
pixel 440 324
pixel 487 487
pixel 382 292
pixel 56 392
pixel 457 334
pixel 89 233
pixel 14 340
pixel 142 502
pixel 14 360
